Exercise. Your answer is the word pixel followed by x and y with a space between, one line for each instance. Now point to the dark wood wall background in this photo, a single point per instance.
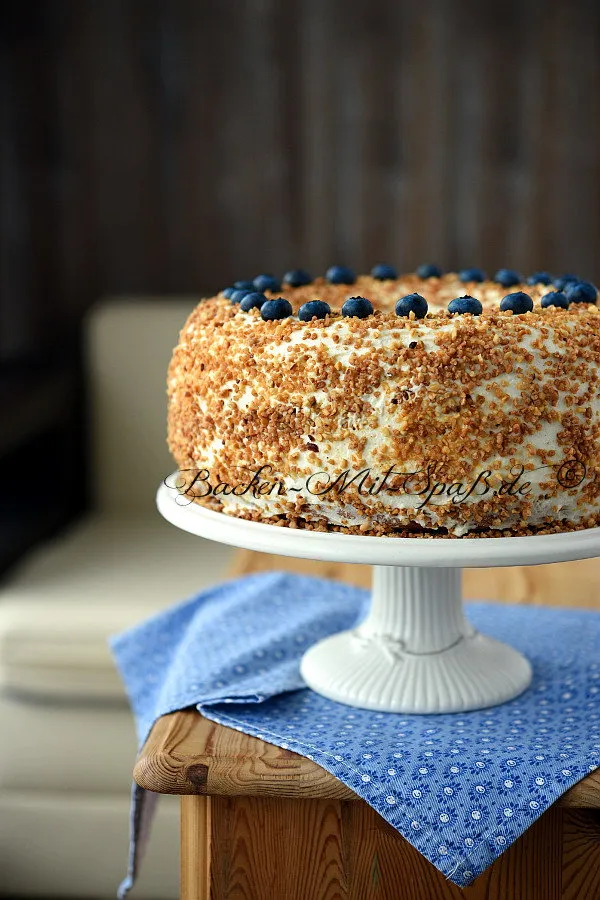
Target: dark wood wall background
pixel 169 146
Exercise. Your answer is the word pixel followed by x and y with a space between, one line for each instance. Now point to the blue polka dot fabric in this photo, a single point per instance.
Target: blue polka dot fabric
pixel 461 788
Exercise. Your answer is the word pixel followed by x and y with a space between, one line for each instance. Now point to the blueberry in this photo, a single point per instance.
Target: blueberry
pixel 562 281
pixel 228 292
pixel 266 283
pixel 412 303
pixel 581 292
pixel 253 300
pixel 357 306
pixel 238 295
pixel 297 278
pixel 243 285
pixel 540 278
pixel 312 309
pixel 340 275
pixel 429 271
pixel 472 275
pixel 507 277
pixel 383 272
pixel 518 303
pixel 465 304
pixel 555 298
pixel 276 309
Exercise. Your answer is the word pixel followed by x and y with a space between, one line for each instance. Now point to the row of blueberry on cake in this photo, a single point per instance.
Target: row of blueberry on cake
pixel 384 272
pixel 249 294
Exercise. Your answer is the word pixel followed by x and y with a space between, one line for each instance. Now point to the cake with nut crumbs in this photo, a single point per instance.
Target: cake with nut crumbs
pixel 426 404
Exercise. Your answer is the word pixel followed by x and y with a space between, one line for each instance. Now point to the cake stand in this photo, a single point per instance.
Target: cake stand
pixel 415 652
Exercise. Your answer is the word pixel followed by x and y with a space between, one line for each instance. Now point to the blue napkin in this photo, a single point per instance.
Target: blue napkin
pixel 461 788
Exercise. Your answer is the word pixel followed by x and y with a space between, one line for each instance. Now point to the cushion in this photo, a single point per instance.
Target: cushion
pixel 75 845
pixel 128 348
pixel 108 572
pixel 88 747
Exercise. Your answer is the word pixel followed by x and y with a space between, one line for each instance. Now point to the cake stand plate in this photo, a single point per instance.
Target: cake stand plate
pixel 415 652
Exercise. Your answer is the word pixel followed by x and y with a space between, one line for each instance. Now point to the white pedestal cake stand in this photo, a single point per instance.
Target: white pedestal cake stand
pixel 415 652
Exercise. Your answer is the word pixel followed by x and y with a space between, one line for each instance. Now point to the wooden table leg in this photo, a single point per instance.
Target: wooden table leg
pixel 257 848
pixel 195 847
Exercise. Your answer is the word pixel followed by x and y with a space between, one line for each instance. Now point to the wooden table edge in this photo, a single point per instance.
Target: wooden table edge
pixel 188 754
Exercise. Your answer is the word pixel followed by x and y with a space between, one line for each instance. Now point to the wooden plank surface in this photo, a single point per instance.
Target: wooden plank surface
pixel 186 754
pixel 581 855
pixel 574 584
pixel 280 849
pixel 195 848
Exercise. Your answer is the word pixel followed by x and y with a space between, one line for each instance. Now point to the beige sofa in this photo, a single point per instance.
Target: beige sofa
pixel 67 743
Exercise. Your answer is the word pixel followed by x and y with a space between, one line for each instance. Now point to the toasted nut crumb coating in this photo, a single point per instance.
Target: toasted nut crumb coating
pixel 442 426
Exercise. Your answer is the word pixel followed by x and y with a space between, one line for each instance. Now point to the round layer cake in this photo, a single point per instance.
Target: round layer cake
pixel 396 405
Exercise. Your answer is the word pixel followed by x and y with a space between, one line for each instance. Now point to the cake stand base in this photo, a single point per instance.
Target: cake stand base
pixel 415 652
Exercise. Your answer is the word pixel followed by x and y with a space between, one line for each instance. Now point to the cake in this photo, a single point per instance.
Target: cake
pixel 426 404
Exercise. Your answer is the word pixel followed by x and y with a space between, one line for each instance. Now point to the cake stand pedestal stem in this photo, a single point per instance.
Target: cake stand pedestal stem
pixel 415 652
pixel 421 608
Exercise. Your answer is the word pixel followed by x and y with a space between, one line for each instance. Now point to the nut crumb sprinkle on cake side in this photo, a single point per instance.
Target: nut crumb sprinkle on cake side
pixel 385 412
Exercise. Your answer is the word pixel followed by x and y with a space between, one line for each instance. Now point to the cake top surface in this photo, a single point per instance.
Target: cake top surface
pixel 424 293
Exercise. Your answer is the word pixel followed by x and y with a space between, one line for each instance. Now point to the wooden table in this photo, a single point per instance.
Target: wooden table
pixel 261 823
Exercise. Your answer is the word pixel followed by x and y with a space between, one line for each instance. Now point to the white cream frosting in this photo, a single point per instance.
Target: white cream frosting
pixel 562 502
